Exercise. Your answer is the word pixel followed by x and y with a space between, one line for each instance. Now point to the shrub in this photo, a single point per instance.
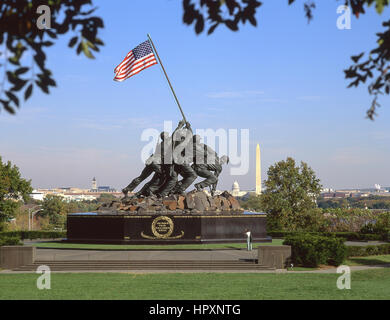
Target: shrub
pixel 347 236
pixel 3 226
pixel 361 251
pixel 368 228
pixel 34 234
pixel 10 241
pixel 311 250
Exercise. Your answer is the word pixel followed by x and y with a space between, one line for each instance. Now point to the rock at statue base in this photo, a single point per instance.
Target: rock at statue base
pixel 196 202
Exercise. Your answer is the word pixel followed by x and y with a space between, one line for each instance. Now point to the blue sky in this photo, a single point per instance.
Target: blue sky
pixel 283 81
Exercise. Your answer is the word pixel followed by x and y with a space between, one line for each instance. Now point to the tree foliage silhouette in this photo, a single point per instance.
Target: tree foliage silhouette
pixel 19 35
pixel 12 189
pixel 290 194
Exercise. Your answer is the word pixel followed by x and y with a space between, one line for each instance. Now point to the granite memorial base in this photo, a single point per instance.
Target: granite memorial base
pixel 130 228
pixel 16 256
pixel 274 256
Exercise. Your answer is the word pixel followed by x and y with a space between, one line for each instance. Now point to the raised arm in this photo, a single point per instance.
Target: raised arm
pixel 179 126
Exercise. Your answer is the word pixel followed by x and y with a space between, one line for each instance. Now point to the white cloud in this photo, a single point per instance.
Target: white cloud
pixel 116 123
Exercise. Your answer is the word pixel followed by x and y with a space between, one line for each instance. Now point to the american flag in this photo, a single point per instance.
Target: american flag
pixel 138 59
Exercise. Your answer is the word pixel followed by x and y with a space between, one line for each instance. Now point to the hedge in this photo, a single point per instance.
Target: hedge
pixel 34 234
pixel 10 241
pixel 311 250
pixel 347 236
pixel 361 251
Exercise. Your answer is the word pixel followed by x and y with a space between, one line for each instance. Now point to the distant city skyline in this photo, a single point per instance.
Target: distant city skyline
pixel 282 80
pixel 235 183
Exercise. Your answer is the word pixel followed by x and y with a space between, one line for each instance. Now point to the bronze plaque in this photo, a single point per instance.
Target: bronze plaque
pixel 162 228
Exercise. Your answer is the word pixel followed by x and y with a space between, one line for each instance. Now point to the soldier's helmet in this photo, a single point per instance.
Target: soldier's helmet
pixel 196 138
pixel 164 135
pixel 223 160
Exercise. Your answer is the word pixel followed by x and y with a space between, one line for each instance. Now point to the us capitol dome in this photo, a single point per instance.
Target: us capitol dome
pixel 236 190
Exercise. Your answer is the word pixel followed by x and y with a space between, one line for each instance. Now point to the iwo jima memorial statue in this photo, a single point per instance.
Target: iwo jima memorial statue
pixel 162 212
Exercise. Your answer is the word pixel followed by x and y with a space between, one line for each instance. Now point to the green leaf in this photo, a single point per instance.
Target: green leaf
pixel 357 58
pixel 98 41
pixel 380 5
pixel 79 48
pixel 14 60
pixel 51 82
pixel 12 97
pixel 21 71
pixel 72 42
pixel 47 43
pixel 253 21
pixel 231 25
pixel 20 84
pixel 12 78
pixel 8 108
pixel 212 28
pixel 28 92
pixel 51 34
pixel 199 25
pixel 43 87
pixel 86 51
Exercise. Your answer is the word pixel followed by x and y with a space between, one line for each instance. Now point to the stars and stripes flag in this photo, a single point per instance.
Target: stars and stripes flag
pixel 138 59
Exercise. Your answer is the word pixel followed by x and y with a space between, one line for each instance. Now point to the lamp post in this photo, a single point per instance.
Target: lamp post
pixel 31 216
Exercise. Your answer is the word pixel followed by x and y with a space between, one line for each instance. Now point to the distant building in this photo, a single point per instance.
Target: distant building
pixel 37 195
pixel 105 189
pixel 236 192
pixel 327 190
pixel 78 197
pixel 96 188
pixel 335 195
pixel 327 195
pixel 94 184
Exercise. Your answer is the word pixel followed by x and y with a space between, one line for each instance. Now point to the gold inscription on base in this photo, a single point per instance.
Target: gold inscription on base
pixel 162 228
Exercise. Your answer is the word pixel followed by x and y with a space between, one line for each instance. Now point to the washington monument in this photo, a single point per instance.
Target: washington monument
pixel 258 170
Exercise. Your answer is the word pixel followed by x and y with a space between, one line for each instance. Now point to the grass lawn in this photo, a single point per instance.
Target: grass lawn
pixel 57 245
pixel 368 261
pixel 368 284
pixel 353 261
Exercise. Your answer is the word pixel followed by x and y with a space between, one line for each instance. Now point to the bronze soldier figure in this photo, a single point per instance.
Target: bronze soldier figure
pixel 206 164
pixel 153 164
pixel 180 162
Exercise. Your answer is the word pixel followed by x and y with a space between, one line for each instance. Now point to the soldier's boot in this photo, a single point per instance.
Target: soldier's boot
pixel 198 186
pixel 125 191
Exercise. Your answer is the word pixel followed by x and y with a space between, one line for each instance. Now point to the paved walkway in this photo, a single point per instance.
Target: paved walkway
pixel 70 255
pixel 284 271
pixel 236 254
pixel 364 243
pixel 353 268
pixel 204 255
pixel 348 243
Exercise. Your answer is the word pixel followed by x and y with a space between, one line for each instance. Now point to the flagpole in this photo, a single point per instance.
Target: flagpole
pixel 169 82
